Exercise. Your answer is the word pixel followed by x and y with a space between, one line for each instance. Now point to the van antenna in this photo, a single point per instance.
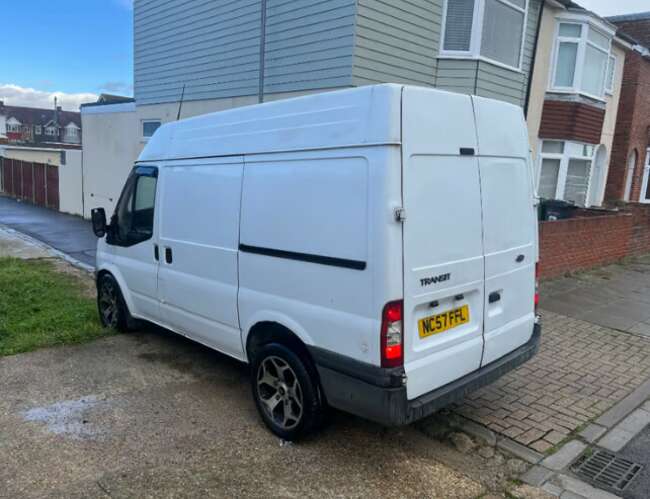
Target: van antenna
pixel 180 104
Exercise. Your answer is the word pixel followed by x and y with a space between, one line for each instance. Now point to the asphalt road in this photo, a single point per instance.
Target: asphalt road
pixel 67 233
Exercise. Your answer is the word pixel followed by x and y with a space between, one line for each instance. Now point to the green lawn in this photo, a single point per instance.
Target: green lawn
pixel 41 306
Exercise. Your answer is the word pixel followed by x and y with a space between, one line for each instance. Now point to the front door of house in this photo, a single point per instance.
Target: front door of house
pixel 645 187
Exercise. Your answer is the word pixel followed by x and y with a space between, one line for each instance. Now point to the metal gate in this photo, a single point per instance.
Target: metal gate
pixel 36 183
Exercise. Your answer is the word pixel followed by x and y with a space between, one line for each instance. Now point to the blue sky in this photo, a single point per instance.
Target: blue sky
pixel 66 47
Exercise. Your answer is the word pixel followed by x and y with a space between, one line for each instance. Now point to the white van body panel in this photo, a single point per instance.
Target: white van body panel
pixel 204 240
pixel 509 227
pixel 314 213
pixel 332 204
pixel 442 237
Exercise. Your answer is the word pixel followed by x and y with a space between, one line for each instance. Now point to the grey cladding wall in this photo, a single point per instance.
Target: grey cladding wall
pixel 397 41
pixel 213 46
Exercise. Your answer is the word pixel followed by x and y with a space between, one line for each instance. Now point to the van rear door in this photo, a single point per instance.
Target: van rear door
pixel 509 227
pixel 443 240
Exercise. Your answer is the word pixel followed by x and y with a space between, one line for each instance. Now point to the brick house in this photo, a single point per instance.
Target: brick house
pixel 574 101
pixel 629 173
pixel 30 126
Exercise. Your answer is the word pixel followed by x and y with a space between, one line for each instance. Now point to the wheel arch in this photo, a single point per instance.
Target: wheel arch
pixel 269 331
pixel 115 274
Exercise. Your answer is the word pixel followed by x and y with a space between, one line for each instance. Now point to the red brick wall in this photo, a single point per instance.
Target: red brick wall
pixel 571 121
pixel 640 240
pixel 583 243
pixel 632 127
pixel 591 241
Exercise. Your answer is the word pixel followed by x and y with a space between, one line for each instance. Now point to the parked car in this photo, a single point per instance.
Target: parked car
pixel 373 250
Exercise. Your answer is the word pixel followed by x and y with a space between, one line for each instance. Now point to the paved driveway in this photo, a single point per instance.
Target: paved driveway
pixel 153 415
pixel 67 233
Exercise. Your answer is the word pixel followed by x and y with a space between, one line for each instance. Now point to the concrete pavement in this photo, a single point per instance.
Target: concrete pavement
pixel 67 233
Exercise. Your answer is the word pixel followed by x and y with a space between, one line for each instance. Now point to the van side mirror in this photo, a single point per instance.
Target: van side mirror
pixel 98 216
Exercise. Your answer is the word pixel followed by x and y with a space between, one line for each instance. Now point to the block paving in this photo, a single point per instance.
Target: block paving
pixel 580 371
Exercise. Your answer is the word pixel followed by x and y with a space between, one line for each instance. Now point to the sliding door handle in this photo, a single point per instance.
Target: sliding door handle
pixel 169 258
pixel 156 252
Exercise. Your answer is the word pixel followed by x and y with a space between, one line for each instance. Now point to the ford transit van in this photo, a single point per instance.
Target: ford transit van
pixel 372 249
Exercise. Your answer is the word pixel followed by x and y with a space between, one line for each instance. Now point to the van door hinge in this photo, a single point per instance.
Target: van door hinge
pixel 400 214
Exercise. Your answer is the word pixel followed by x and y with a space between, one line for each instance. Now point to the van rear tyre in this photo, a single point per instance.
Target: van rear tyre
pixel 286 393
pixel 113 312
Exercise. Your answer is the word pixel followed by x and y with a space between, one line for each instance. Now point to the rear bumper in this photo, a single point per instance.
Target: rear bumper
pixel 380 395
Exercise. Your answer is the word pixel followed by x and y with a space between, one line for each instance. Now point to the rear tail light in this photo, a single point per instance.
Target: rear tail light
pixel 392 335
pixel 536 287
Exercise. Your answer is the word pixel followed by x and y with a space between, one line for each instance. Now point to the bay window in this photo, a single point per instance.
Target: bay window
pixel 565 171
pixel 486 29
pixel 582 60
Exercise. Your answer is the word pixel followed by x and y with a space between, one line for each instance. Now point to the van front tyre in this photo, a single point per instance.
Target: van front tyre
pixel 113 312
pixel 285 393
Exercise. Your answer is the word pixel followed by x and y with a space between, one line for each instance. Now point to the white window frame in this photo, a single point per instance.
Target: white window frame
pixel 148 120
pixel 14 126
pixel 565 158
pixel 476 36
pixel 50 131
pixel 71 130
pixel 38 130
pixel 612 66
pixel 582 42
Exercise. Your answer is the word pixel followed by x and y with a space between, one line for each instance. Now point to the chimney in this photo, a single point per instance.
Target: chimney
pixel 56 111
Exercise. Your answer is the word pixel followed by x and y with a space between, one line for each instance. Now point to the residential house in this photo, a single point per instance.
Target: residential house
pixel 574 102
pixel 221 54
pixel 40 127
pixel 47 140
pixel 629 177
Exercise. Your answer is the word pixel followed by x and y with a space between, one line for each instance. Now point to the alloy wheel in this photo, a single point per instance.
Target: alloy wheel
pixel 108 304
pixel 280 392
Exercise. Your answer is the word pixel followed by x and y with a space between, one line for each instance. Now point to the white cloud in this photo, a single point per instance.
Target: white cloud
pixel 14 95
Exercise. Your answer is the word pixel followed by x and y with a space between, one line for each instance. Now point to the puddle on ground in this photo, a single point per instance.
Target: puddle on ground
pixel 68 418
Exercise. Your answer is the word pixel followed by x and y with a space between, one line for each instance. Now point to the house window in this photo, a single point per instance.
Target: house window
pixel 611 74
pixel 14 126
pixel 487 29
pixel 51 131
pixel 582 60
pixel 149 127
pixel 71 131
pixel 565 171
pixel 38 130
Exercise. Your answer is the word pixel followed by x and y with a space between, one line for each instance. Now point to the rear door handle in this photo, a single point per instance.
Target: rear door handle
pixel 156 252
pixel 494 297
pixel 168 255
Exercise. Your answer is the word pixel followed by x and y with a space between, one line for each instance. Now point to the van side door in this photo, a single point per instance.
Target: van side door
pixel 132 239
pixel 199 242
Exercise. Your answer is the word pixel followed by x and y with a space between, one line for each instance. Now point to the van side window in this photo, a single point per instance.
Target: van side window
pixel 133 220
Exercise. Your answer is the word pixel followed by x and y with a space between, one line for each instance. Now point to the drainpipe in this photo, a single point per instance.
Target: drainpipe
pixel 262 50
pixel 534 59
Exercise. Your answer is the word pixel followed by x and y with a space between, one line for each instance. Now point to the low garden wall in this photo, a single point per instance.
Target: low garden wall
pixel 593 239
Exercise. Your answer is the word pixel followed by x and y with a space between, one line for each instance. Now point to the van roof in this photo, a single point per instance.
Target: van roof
pixel 369 115
pixel 352 117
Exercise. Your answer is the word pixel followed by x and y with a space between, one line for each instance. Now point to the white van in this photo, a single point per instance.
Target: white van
pixel 372 249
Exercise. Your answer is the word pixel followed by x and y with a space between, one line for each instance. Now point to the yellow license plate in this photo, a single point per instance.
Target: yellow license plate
pixel 440 323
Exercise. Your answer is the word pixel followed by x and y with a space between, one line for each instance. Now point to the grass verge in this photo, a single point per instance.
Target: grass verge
pixel 41 306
